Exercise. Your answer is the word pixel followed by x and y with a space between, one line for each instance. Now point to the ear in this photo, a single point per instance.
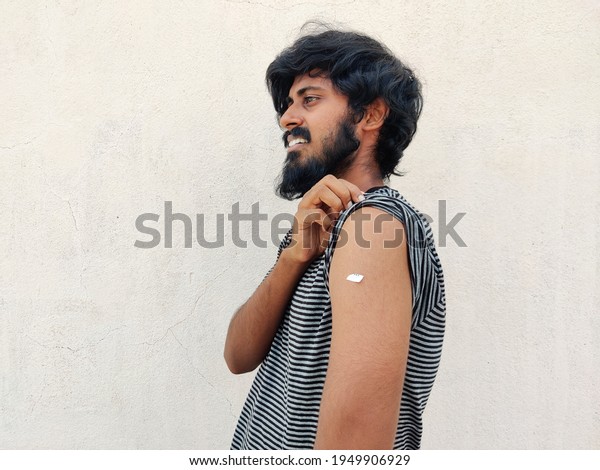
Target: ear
pixel 375 115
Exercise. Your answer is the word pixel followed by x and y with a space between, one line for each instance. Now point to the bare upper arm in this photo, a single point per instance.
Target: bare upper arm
pixel 370 333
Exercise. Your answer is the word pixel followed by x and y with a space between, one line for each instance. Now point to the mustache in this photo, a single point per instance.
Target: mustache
pixel 296 132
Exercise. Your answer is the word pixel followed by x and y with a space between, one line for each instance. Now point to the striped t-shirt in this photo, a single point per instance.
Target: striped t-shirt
pixel 282 408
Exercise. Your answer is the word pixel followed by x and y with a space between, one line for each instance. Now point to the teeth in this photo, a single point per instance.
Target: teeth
pixel 296 141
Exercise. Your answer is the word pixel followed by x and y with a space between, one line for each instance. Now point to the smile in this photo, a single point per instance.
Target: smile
pixel 295 142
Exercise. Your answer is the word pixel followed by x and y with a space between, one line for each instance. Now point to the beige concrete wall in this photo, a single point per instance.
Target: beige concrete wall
pixel 110 108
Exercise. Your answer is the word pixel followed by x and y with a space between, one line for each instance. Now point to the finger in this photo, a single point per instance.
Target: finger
pixel 306 218
pixel 338 188
pixel 355 191
pixel 346 191
pixel 332 214
pixel 322 196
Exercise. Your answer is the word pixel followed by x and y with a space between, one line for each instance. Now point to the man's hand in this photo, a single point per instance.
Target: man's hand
pixel 254 325
pixel 317 212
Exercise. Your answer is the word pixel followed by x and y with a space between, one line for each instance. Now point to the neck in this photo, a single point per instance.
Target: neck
pixel 362 177
pixel 364 172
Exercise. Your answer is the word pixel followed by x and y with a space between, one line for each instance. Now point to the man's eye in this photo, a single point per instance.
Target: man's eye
pixel 310 99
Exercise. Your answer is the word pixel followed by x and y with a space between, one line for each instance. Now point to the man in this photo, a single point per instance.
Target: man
pixel 348 324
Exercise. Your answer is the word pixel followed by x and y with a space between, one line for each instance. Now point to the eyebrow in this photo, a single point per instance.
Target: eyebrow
pixel 302 91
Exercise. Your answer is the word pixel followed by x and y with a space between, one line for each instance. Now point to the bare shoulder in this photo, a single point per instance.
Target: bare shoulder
pixel 372 232
pixel 372 245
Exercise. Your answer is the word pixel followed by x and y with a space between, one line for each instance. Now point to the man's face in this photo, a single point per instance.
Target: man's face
pixel 319 137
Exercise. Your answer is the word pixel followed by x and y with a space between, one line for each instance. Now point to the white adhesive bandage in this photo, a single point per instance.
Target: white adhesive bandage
pixel 355 277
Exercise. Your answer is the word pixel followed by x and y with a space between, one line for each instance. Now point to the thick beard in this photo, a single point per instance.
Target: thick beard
pixel 297 178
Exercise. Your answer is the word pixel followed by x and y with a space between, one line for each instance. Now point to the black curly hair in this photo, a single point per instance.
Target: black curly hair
pixel 363 69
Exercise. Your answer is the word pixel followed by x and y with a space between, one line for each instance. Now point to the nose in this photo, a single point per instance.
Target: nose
pixel 291 118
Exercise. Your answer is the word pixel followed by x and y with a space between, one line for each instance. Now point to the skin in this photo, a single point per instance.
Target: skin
pixel 371 319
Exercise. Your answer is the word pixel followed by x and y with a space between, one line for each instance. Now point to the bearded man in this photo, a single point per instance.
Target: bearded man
pixel 347 327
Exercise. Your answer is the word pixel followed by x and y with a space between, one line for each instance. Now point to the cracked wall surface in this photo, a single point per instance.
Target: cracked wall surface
pixel 109 109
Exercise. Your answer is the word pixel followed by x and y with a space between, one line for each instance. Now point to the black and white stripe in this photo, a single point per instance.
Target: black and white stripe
pixel 282 408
